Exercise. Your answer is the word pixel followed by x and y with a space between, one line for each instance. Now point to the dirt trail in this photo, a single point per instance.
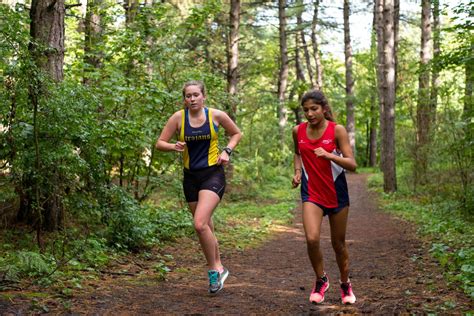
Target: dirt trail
pixel 390 269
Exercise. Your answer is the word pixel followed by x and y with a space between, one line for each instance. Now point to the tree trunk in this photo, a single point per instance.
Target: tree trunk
pixel 373 133
pixel 283 74
pixel 350 116
pixel 47 34
pixel 372 125
pixel 378 12
pixel 423 119
pixel 300 78
pixel 41 199
pixel 131 9
pixel 92 38
pixel 232 66
pixel 300 27
pixel 389 70
pixel 468 111
pixel 436 54
pixel 233 56
pixel 298 66
pixel 314 40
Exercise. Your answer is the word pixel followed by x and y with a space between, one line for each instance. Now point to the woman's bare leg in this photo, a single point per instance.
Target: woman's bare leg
pixel 202 214
pixel 338 223
pixel 312 219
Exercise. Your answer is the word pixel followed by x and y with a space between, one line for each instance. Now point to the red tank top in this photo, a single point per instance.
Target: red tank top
pixel 319 174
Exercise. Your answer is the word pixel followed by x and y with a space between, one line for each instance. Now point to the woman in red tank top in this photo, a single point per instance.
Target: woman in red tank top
pixel 322 153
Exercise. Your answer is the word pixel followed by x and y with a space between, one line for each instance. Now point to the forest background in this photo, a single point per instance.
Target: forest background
pixel 87 87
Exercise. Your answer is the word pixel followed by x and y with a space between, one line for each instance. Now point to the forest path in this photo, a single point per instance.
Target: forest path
pixel 391 272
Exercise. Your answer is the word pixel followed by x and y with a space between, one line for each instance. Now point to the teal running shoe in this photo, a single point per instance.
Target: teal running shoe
pixel 214 284
pixel 216 280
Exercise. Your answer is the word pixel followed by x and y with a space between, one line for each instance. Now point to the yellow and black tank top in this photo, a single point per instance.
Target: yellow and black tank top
pixel 201 149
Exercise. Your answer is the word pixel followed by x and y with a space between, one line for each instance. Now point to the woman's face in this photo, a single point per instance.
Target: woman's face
pixel 313 112
pixel 193 97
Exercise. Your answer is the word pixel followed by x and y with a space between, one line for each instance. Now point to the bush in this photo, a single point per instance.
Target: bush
pixel 128 223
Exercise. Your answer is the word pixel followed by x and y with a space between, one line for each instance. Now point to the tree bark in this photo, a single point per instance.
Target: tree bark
pixel 232 66
pixel 314 41
pixel 233 56
pixel 283 73
pixel 350 116
pixel 47 33
pixel 131 9
pixel 41 199
pixel 468 110
pixel 436 53
pixel 304 46
pixel 300 79
pixel 389 88
pixel 372 125
pixel 378 12
pixel 298 67
pixel 373 134
pixel 92 38
pixel 423 111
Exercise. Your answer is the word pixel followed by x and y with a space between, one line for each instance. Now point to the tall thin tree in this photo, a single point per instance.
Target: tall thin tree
pixel 302 37
pixel 389 25
pixel 436 54
pixel 318 84
pixel 300 80
pixel 423 111
pixel 378 12
pixel 233 56
pixel 283 73
pixel 350 115
pixel 372 123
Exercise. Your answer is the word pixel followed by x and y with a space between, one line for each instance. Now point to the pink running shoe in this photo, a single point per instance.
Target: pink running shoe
pixel 347 295
pixel 320 287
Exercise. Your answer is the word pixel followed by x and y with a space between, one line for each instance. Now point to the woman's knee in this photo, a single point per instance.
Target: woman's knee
pixel 312 242
pixel 201 227
pixel 339 246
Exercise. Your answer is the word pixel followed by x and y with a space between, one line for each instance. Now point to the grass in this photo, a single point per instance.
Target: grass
pixel 247 221
pixel 443 222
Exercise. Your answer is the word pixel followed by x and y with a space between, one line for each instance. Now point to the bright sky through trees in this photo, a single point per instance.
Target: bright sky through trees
pixel 361 21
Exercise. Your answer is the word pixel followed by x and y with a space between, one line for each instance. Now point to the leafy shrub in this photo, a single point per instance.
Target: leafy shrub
pixel 23 264
pixel 128 223
pixel 170 225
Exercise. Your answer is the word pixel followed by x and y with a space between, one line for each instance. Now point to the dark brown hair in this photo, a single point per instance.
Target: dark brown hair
pixel 198 83
pixel 319 98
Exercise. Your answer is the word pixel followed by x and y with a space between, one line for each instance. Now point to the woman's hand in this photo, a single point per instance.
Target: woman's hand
pixel 179 146
pixel 223 158
pixel 320 152
pixel 296 179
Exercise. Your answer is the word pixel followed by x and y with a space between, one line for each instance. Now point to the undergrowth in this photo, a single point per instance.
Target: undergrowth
pixel 443 222
pixel 89 245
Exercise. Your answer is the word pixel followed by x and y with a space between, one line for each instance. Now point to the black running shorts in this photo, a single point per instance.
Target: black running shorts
pixel 210 178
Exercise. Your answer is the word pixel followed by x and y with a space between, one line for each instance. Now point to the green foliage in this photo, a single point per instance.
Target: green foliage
pixel 25 264
pixel 171 224
pixel 250 219
pixel 445 223
pixel 161 269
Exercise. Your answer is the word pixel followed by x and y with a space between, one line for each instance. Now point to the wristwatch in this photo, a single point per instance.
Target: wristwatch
pixel 228 150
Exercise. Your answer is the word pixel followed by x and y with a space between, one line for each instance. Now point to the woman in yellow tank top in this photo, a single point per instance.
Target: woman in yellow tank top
pixel 196 128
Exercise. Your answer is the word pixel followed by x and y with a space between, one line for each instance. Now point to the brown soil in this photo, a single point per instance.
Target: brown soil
pixel 391 272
